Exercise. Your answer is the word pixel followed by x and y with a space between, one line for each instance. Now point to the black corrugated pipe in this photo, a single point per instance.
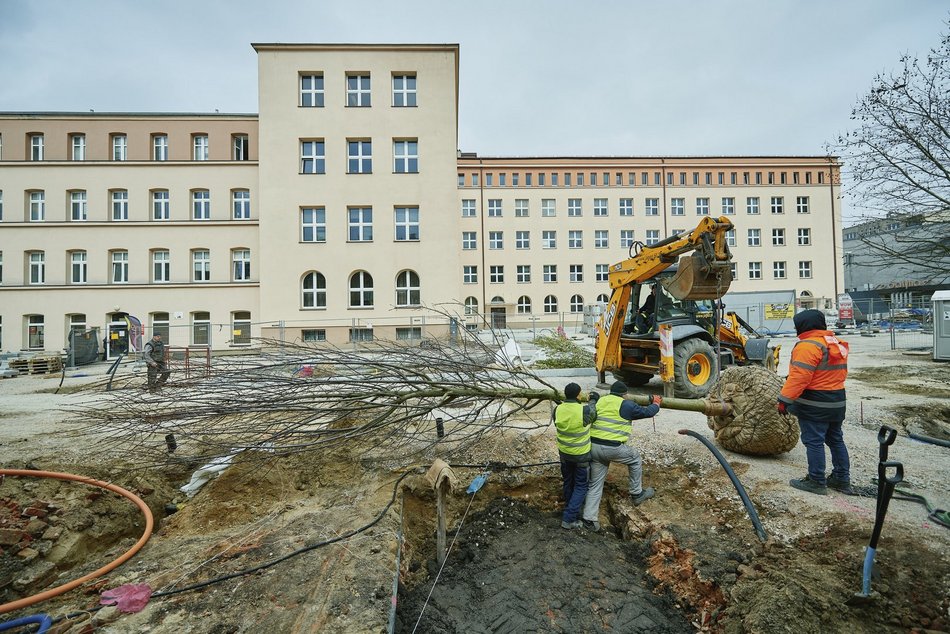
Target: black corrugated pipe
pixel 933 441
pixel 760 531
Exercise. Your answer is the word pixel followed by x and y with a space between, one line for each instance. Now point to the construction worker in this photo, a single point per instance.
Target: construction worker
pixel 814 392
pixel 608 437
pixel 646 316
pixel 154 354
pixel 573 446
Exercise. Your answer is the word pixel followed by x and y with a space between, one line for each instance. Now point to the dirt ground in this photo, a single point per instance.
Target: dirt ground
pixel 687 560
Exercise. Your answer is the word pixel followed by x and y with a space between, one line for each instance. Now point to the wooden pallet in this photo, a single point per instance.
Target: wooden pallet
pixel 37 365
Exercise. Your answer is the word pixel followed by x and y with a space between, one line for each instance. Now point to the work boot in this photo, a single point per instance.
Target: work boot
pixel 593 527
pixel 644 495
pixel 840 485
pixel 572 525
pixel 809 485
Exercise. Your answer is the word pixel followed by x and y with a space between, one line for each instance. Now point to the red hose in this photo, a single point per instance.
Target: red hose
pixel 66 587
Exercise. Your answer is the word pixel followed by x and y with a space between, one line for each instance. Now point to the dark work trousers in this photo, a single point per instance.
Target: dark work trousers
pixel 815 435
pixel 575 488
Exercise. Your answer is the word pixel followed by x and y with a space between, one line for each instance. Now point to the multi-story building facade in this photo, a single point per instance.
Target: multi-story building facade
pixel 343 211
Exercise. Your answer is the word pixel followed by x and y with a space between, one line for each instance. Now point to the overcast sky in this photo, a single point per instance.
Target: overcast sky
pixel 672 77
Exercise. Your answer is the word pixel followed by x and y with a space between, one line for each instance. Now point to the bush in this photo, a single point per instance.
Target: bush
pixel 560 352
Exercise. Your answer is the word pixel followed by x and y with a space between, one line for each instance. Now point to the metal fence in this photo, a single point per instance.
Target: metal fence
pixel 909 326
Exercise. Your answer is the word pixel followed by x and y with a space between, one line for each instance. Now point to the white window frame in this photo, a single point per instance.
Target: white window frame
pixel 601 238
pixel 522 240
pixel 78 206
pixel 201 265
pixel 359 224
pixel 469 240
pixel 574 208
pixel 804 236
pixel 37 260
pixel 778 205
pixel 78 267
pixel 313 224
pixel 801 204
pixel 626 238
pixel 549 273
pixel 549 239
pixel 161 266
pixel 524 305
pixel 779 270
pixel 120 147
pixel 575 239
pixel 651 207
pixel 677 206
pixel 120 267
pixel 754 237
pixel 577 304
pixel 804 269
pixel 626 207
pixel 523 273
pixel 702 206
pixel 653 236
pixel 405 156
pixel 313 291
pixel 495 208
pixel 496 273
pixel 358 90
pixel 200 204
pixel 755 270
pixel 548 208
pixel 313 156
pixel 468 208
pixel 406 221
pixel 600 207
pixel 470 274
pixel 314 93
pixel 37 205
pixel 575 273
pixel 521 208
pixel 37 147
pixel 752 205
pixel 550 305
pixel 161 207
pixel 120 205
pixel 404 94
pixel 728 205
pixel 408 289
pixel 200 147
pixel 241 204
pixel 778 237
pixel 159 147
pixel 77 145
pixel 496 240
pixel 240 265
pixel 359 155
pixel 601 272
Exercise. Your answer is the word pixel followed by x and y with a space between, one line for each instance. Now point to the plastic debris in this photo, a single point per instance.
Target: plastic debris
pixel 477 483
pixel 131 598
pixel 206 473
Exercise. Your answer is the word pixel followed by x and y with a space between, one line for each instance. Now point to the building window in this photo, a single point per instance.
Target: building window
pixel 601 238
pixel 496 274
pixel 778 270
pixel 311 90
pixel 35 332
pixel 201 329
pixel 778 205
pixel 575 239
pixel 728 206
pixel 496 240
pixel 201 265
pixel 313 224
pixel 600 207
pixel 523 273
pixel 360 333
pixel 37 206
pixel 702 206
pixel 200 147
pixel 78 267
pixel 652 207
pixel 360 224
pixel 461 181
pixel 470 274
pixel 359 157
pixel 601 272
pixel 804 269
pixel 469 240
pixel 357 90
pixel 404 91
pixel 752 205
pixel 77 143
pixel 409 334
pixel 574 207
pixel 553 179
pixel 801 204
pixel 37 266
pixel 241 204
pixel 161 266
pixel 548 208
pixel 37 147
pixel 201 204
pixel 521 208
pixel 577 304
pixel 575 272
pixel 160 206
pixel 240 147
pixel 120 267
pixel 408 289
pixel 778 237
pixel 733 270
pixel 522 239
pixel 77 206
pixel 626 207
pixel 548 239
pixel 474 179
pixel 514 179
pixel 160 325
pixel 468 208
pixel 550 304
pixel 549 272
pixel 240 328
pixel 361 290
pixel 159 147
pixel 1 204
pixel 731 238
pixel 677 206
pixel 313 290
pixel 313 334
pixel 241 261
pixel 407 224
pixel 755 270
pixel 754 237
pixel 119 147
pixel 406 156
pixel 626 238
pixel 313 157
pixel 524 305
pixel 804 237
pixel 494 208
pixel 120 205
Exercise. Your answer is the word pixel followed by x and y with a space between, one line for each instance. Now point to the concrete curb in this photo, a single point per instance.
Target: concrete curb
pixel 564 372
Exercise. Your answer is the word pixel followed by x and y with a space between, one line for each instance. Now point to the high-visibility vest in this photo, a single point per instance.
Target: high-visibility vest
pixel 573 437
pixel 609 425
pixel 814 389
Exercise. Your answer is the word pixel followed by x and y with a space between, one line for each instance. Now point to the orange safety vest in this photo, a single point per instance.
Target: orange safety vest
pixel 814 389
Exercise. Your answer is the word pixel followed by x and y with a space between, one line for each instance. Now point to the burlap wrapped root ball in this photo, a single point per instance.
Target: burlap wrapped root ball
pixel 755 427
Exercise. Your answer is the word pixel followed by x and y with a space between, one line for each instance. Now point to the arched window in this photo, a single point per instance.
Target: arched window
pixel 524 305
pixel 497 299
pixel 550 304
pixel 577 304
pixel 603 298
pixel 361 290
pixel 407 289
pixel 313 290
pixel 471 306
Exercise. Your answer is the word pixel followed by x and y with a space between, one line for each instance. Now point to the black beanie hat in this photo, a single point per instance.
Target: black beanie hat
pixel 619 388
pixel 571 390
pixel 810 319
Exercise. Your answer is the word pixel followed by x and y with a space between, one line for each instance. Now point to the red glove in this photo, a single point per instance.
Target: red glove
pixel 656 399
pixel 781 407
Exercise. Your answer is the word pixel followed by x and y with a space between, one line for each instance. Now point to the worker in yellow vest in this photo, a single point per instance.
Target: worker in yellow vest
pixel 609 435
pixel 573 420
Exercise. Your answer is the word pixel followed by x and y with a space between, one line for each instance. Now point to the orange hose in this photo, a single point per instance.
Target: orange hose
pixel 66 587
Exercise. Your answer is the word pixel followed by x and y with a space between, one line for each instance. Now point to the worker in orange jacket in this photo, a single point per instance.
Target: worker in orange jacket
pixel 814 392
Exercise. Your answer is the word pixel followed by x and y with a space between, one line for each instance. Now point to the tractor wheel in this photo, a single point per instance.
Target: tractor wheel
pixel 693 368
pixel 631 378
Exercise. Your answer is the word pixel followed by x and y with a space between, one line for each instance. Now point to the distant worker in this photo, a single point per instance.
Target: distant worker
pixel 646 316
pixel 608 436
pixel 154 354
pixel 573 445
pixel 814 392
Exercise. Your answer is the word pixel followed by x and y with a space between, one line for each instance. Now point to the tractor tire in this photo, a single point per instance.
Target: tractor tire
pixel 631 378
pixel 693 368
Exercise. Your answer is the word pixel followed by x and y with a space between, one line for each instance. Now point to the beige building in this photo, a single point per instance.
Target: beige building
pixel 343 211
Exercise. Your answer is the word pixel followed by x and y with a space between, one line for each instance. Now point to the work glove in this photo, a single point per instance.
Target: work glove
pixel 781 407
pixel 656 399
pixel 593 396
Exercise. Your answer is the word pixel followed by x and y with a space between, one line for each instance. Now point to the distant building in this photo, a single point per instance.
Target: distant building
pixel 343 209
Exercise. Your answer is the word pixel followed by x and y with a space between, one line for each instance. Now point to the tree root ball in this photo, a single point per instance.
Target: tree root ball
pixel 755 427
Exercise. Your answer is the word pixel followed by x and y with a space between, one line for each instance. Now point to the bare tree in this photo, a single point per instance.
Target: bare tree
pixel 898 157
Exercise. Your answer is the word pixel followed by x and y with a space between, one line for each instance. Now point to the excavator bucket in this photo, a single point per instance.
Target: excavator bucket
pixel 698 278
